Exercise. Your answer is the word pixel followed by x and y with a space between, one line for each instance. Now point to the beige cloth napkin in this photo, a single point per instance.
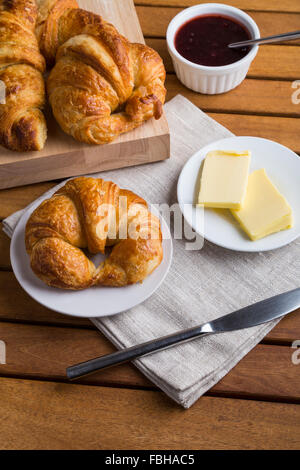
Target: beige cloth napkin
pixel 201 285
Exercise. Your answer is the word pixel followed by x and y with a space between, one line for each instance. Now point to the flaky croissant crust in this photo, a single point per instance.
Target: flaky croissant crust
pixel 92 214
pixel 22 123
pixel 101 85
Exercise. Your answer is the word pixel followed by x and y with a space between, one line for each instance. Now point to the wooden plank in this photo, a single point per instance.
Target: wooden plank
pixel 63 156
pixel 47 415
pixel 45 352
pixel 280 129
pixel 145 144
pixel 287 331
pixel 268 22
pixel 14 199
pixel 278 22
pixel 251 97
pixel 262 5
pixel 266 372
pixel 275 62
pixel 17 306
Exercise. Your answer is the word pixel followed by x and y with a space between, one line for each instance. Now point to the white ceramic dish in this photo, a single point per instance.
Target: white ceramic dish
pixel 92 302
pixel 282 166
pixel 211 80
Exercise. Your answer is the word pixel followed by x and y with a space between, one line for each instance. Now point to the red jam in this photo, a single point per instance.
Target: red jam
pixel 204 40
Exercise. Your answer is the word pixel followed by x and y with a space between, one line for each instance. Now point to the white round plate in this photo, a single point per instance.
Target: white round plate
pixel 219 227
pixel 92 302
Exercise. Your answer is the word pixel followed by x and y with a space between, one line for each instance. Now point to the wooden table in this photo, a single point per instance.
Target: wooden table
pixel 256 405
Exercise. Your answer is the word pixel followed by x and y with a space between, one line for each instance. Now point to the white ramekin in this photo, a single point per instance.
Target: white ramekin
pixel 211 80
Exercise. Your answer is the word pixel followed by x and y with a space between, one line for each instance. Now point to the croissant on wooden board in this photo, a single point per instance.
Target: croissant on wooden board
pixel 92 214
pixel 22 123
pixel 101 85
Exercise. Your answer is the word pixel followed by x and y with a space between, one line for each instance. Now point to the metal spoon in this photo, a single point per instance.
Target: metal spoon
pixel 267 40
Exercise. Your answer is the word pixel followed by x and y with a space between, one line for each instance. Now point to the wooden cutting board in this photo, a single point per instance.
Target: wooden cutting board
pixel 62 156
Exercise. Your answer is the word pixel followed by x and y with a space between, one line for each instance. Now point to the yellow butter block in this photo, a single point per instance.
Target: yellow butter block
pixel 265 210
pixel 224 179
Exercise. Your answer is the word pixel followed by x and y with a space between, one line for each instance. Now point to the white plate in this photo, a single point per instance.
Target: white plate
pixel 282 166
pixel 95 301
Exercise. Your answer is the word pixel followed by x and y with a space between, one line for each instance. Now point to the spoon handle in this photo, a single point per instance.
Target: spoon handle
pixel 267 40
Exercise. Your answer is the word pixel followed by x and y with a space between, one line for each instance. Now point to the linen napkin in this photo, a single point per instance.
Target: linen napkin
pixel 201 285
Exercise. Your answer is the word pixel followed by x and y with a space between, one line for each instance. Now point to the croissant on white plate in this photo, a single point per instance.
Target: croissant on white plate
pixel 101 85
pixel 22 123
pixel 92 214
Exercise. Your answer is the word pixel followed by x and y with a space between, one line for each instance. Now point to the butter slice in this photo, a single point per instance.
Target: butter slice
pixel 224 179
pixel 265 210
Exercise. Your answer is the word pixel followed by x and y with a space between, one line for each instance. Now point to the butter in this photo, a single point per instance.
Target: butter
pixel 265 210
pixel 224 179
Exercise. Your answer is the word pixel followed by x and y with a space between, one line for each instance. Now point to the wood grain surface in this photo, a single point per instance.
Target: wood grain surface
pixel 256 405
pixel 17 306
pixel 39 351
pixel 253 5
pixel 269 23
pixel 261 92
pixel 58 416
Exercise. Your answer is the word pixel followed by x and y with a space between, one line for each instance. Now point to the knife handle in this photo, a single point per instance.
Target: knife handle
pixel 272 308
pixel 129 354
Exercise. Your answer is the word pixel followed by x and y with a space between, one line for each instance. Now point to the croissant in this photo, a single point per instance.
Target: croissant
pixel 101 85
pixel 22 123
pixel 92 214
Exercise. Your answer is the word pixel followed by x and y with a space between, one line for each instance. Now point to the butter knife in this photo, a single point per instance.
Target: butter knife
pixel 253 315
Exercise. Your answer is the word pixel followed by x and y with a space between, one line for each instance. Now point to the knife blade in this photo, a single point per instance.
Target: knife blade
pixel 253 315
